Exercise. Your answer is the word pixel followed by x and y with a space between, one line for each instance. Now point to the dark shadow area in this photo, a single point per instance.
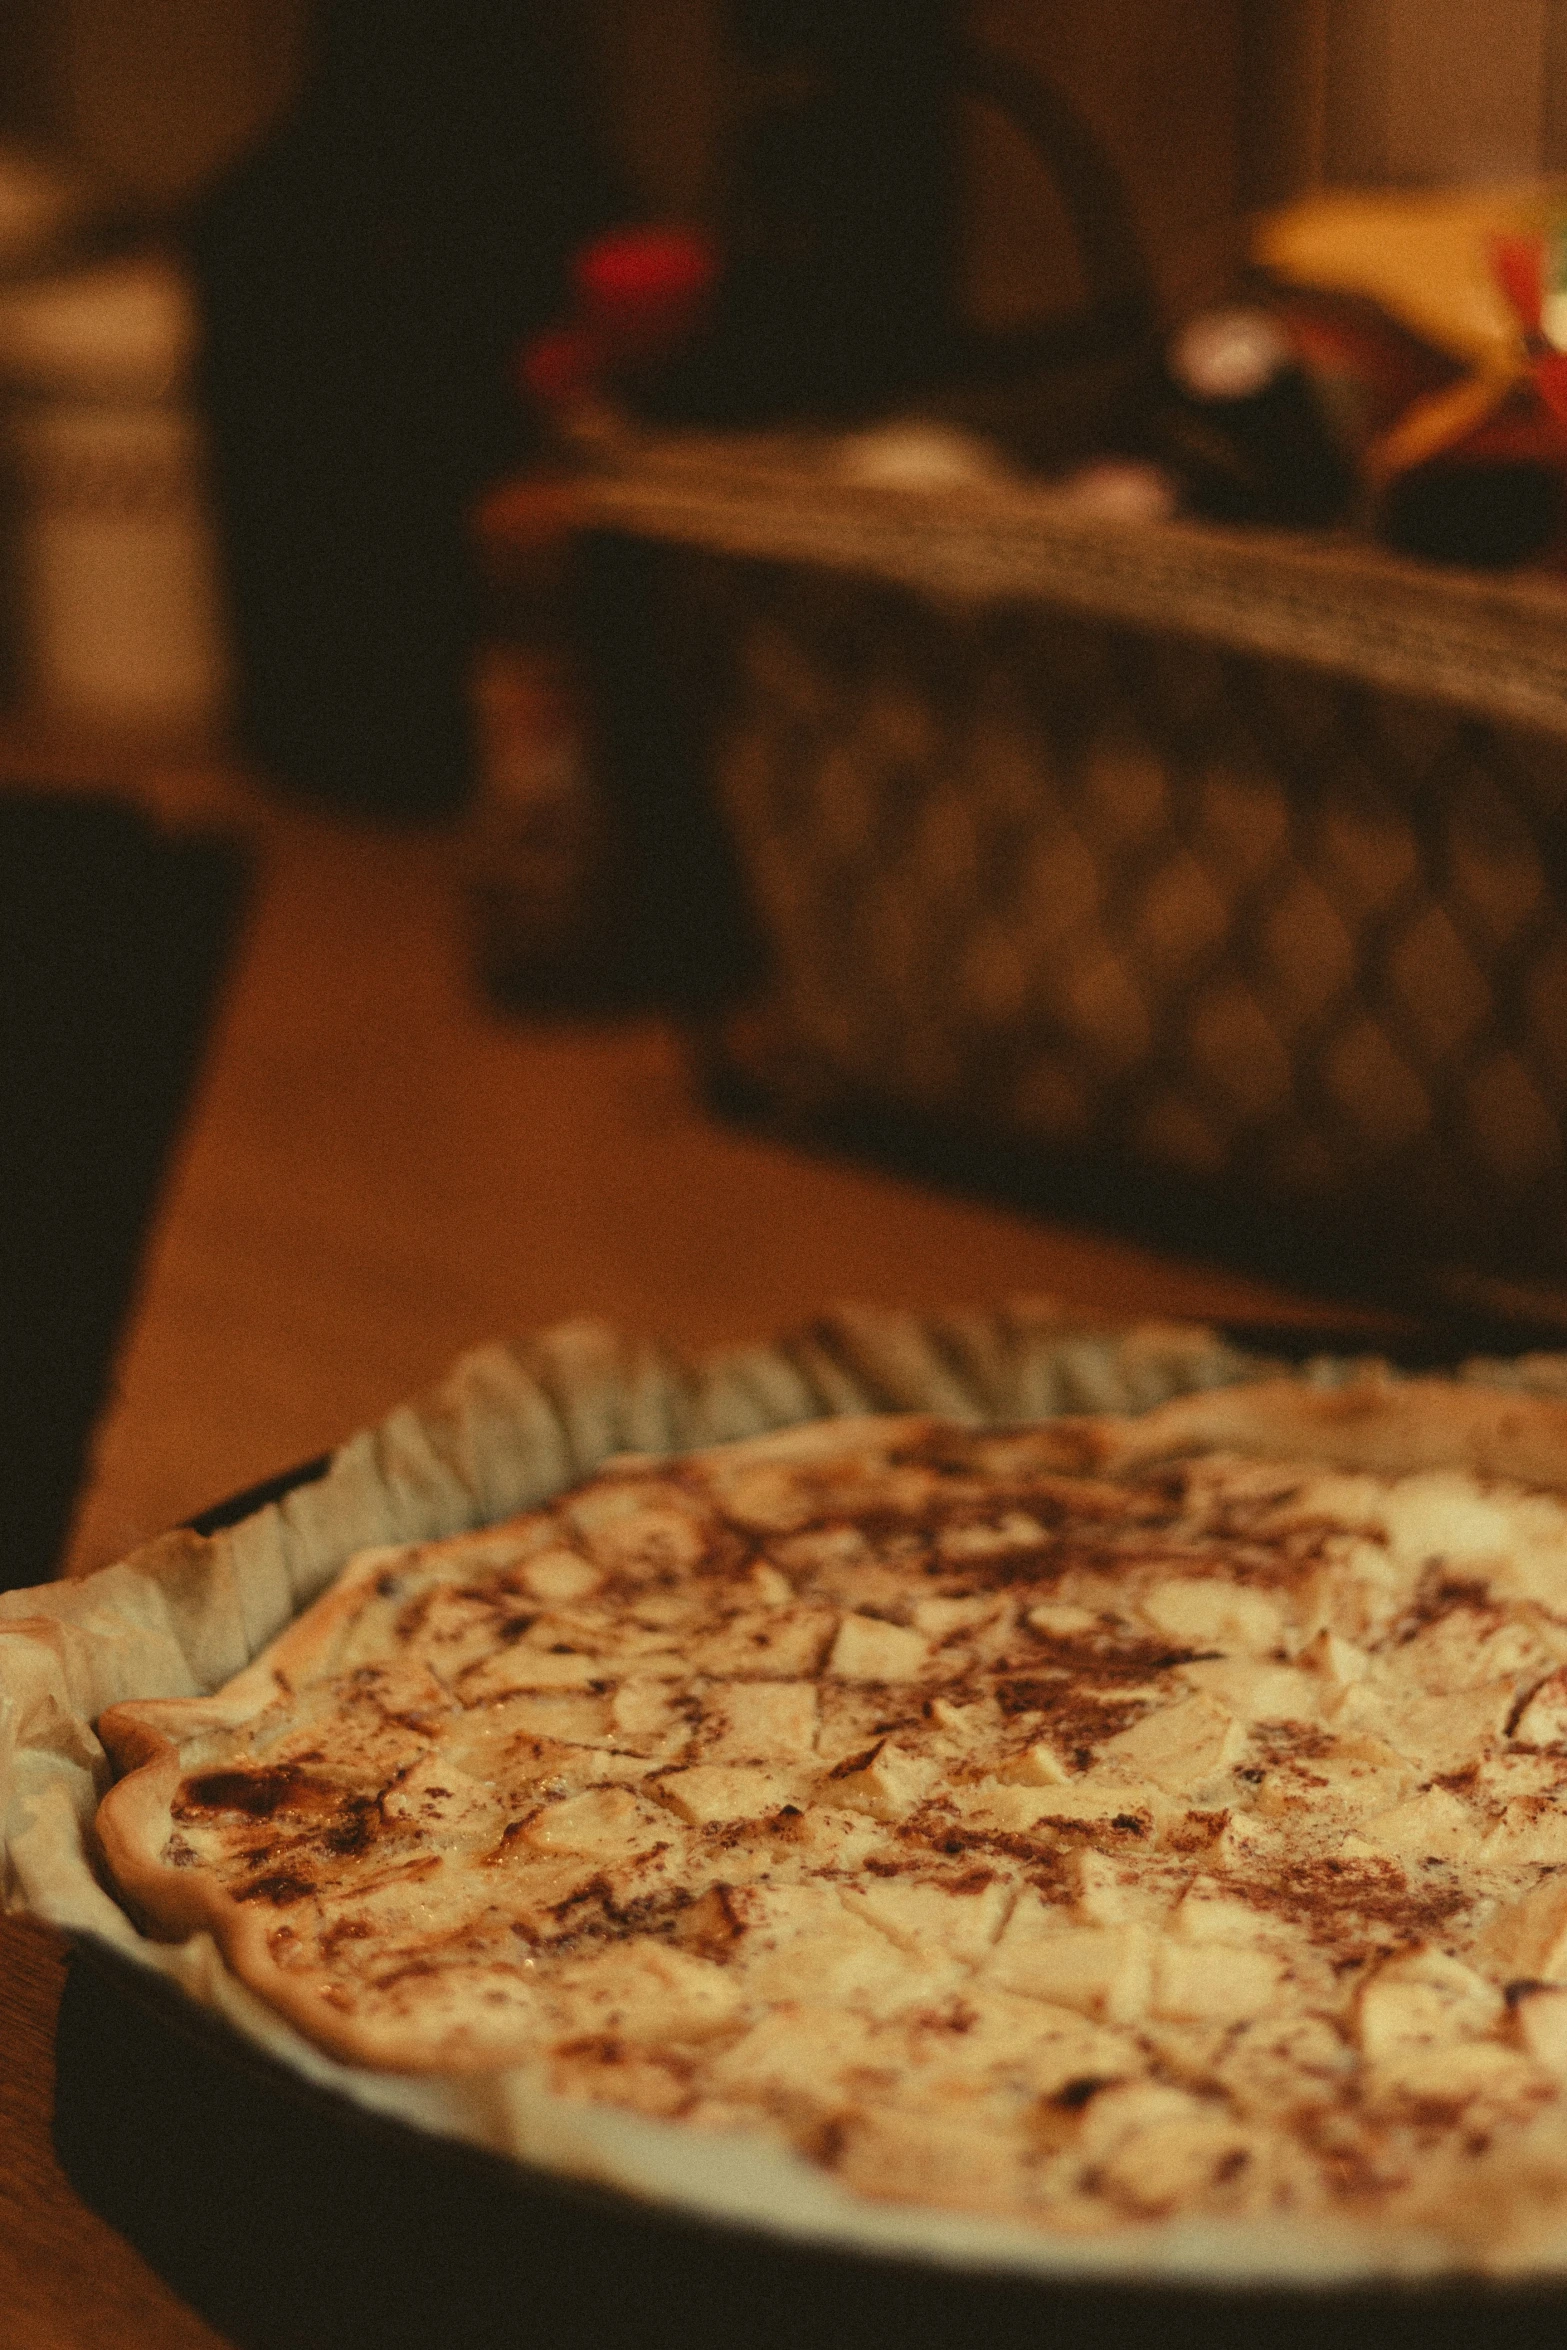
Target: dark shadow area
pixel 363 278
pixel 687 941
pixel 113 942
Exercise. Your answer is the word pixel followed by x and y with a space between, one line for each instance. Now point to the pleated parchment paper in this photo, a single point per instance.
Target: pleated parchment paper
pixel 515 1424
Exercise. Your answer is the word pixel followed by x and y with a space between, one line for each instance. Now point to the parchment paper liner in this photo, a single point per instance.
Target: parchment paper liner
pixel 514 1424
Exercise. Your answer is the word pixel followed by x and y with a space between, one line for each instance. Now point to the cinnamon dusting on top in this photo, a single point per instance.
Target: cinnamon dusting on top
pixel 996 1825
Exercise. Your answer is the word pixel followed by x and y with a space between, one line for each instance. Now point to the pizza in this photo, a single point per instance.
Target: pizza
pixel 1089 1824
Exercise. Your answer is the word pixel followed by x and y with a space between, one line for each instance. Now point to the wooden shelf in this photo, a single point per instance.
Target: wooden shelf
pixel 1490 644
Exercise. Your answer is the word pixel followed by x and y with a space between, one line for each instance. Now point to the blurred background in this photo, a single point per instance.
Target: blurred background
pixel 333 230
pixel 350 221
pixel 989 567
pixel 1208 111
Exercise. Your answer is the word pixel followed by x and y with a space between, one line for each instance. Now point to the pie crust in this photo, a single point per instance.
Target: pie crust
pixel 1087 1824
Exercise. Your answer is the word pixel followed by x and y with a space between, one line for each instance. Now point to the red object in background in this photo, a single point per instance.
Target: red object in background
pixel 643 292
pixel 1550 378
pixel 1518 265
pixel 1525 428
pixel 640 297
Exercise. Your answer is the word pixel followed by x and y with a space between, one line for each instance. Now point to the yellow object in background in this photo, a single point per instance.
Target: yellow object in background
pixel 1424 255
pixel 1427 258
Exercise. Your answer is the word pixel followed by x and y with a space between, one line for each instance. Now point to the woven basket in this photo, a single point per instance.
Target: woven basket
pixel 1169 921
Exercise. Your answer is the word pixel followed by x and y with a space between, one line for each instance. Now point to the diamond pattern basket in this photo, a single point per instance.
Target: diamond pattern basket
pixel 1145 905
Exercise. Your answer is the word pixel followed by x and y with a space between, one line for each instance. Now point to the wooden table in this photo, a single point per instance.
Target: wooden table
pixel 378 1172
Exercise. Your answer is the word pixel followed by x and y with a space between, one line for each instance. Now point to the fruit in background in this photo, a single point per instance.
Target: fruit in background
pixel 1422 257
pixel 1470 466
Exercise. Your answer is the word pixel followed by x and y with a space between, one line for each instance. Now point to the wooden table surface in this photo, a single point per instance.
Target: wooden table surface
pixel 379 1171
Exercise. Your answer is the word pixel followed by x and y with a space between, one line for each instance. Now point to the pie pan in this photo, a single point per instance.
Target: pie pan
pixel 298 2204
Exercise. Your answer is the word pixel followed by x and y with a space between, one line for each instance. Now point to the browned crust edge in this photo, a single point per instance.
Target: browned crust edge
pixel 1375 1424
pixel 147 1739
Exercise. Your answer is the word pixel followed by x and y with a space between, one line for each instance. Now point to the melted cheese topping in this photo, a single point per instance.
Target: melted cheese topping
pixel 1080 1848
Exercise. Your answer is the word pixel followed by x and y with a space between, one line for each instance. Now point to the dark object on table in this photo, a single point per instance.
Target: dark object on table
pixel 1490 513
pixel 841 214
pixel 113 941
pixel 364 278
pixel 842 292
pixel 1245 428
